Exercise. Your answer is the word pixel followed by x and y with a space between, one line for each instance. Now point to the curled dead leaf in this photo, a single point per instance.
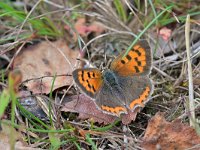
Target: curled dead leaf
pixel 169 135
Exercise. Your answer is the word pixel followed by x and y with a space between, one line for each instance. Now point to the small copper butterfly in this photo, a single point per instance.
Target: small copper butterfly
pixel 124 86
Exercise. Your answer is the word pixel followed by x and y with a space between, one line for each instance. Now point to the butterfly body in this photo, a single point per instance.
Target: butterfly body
pixel 111 80
pixel 124 86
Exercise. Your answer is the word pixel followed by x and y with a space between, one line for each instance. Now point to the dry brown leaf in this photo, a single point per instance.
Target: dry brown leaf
pixel 87 109
pixel 83 29
pixel 4 141
pixel 42 60
pixel 9 136
pixel 131 116
pixel 164 135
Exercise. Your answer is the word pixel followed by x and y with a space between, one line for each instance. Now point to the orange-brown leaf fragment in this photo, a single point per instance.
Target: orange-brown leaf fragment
pixel 164 135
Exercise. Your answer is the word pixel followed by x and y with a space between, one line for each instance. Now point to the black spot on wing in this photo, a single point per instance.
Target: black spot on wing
pixel 138 62
pixel 138 52
pixel 88 84
pixel 123 62
pixel 93 89
pixel 88 73
pixel 82 75
pixel 128 57
pixel 136 69
pixel 93 74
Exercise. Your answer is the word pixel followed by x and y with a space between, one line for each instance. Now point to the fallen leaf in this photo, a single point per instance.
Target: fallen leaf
pixel 164 135
pixel 83 29
pixel 39 63
pixel 131 116
pixel 165 33
pixel 87 109
pixel 8 137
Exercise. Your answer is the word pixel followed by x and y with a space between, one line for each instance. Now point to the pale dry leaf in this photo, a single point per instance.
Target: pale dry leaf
pixel 87 109
pixel 169 135
pixel 165 33
pixel 9 135
pixel 42 60
pixel 4 141
pixel 83 28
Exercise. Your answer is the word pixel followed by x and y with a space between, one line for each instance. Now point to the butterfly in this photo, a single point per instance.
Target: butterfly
pixel 122 87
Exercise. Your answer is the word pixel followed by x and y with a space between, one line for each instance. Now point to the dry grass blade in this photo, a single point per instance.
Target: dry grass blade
pixel 191 90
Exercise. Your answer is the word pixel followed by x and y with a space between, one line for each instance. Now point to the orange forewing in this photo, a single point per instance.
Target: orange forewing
pixel 89 80
pixel 136 62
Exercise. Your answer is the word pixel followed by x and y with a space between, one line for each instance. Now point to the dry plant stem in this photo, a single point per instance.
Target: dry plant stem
pixel 17 52
pixel 53 4
pixel 191 94
pixel 131 9
pixel 65 93
pixel 163 73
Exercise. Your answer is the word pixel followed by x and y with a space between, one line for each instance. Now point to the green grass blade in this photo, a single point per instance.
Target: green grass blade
pixel 36 130
pixel 77 145
pixel 89 140
pixel 50 96
pixel 4 101
pixel 106 128
pixel 55 141
pixel 154 10
pixel 120 10
pixel 31 117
